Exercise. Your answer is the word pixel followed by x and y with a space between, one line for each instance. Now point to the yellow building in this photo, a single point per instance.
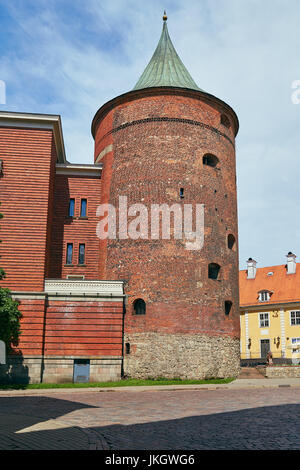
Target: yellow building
pixel 270 312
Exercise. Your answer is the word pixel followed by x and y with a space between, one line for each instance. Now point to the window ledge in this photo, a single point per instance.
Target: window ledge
pixel 69 265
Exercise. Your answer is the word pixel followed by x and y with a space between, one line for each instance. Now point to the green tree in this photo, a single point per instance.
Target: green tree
pixel 9 315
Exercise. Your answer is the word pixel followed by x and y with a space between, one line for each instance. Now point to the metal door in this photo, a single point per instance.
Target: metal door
pixel 81 370
pixel 264 347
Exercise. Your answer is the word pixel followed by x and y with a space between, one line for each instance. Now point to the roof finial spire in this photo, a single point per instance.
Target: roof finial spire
pixel 165 16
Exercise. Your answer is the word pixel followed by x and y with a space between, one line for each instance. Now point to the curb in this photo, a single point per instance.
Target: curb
pixel 237 384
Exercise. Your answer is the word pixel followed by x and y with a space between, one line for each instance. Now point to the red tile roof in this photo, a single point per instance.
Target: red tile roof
pixel 285 287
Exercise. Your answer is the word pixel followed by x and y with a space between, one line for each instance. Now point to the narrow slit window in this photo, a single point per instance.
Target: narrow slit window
pixel 71 207
pixel 83 208
pixel 81 253
pixel 231 241
pixel 181 193
pixel 225 121
pixel 69 253
pixel 213 270
pixel 228 305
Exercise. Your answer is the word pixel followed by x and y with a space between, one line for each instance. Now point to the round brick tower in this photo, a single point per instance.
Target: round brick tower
pixel 169 142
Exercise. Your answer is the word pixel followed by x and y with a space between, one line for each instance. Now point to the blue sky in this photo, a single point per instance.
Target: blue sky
pixel 70 57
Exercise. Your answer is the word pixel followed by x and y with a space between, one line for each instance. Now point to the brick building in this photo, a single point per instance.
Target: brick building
pixel 144 306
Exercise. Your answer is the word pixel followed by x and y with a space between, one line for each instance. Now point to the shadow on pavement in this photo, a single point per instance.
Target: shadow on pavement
pixel 261 428
pixel 29 423
pixel 265 428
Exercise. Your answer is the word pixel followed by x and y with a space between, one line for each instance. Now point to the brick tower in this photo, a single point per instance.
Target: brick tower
pixel 169 142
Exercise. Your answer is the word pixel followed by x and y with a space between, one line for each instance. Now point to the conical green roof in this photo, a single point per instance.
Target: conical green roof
pixel 165 67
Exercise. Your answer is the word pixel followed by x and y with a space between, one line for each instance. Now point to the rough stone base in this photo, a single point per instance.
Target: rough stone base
pixel 24 370
pixel 154 355
pixel 282 372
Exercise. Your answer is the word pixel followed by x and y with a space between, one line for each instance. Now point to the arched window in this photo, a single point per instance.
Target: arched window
pixel 210 160
pixel 213 270
pixel 139 306
pixel 228 305
pixel 231 241
pixel 225 121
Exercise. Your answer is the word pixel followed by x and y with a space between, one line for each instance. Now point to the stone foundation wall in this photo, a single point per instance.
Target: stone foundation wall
pixel 286 371
pixel 183 356
pixel 26 370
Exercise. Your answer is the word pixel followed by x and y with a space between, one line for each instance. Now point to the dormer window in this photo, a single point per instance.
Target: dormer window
pixel 264 296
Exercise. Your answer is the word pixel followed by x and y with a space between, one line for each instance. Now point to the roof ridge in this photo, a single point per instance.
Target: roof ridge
pixel 268 267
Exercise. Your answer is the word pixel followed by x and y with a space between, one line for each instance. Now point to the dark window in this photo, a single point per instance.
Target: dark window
pixel 225 121
pixel 295 317
pixel 127 346
pixel 71 207
pixel 210 160
pixel 230 241
pixel 213 270
pixel 81 253
pixel 139 307
pixel 181 193
pixel 83 207
pixel 69 253
pixel 228 305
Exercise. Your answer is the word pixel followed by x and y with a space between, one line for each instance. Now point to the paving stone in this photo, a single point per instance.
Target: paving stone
pixel 257 418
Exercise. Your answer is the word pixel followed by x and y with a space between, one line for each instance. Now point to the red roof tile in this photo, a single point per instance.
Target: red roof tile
pixel 285 287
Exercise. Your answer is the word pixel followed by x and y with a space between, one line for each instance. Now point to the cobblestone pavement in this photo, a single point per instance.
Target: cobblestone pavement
pixel 263 418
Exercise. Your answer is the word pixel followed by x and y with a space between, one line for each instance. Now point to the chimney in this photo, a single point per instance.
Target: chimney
pixel 291 263
pixel 251 268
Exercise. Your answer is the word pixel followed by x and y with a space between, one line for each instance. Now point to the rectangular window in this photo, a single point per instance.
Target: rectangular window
pixel 69 253
pixel 83 207
pixel 81 253
pixel 295 318
pixel 71 207
pixel 295 340
pixel 263 320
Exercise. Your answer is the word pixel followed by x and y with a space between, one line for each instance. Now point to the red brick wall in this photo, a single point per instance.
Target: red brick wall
pixel 32 327
pixel 29 158
pixel 75 230
pixel 158 145
pixel 68 328
pixel 84 328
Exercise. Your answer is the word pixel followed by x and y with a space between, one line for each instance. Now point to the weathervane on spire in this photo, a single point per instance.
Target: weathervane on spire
pixel 165 16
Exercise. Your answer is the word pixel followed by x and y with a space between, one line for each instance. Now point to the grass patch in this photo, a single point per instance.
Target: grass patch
pixel 119 383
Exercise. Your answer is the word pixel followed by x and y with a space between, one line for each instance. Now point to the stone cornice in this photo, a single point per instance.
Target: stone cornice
pixel 267 306
pixel 84 287
pixel 74 169
pixel 37 121
pixel 64 289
